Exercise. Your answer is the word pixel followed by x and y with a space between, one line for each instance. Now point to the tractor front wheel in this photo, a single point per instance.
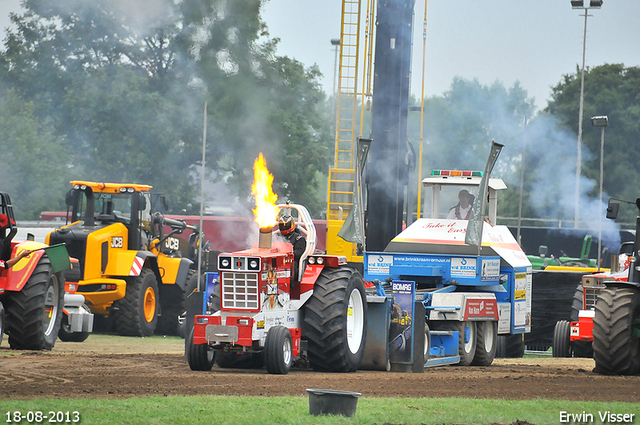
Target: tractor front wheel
pixel 278 351
pixel 200 357
pixel 34 314
pixel 616 332
pixel 67 335
pixel 137 312
pixel 2 321
pixel 561 341
pixel 335 320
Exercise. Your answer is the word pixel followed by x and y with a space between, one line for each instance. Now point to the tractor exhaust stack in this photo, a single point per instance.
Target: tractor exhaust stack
pixel 265 238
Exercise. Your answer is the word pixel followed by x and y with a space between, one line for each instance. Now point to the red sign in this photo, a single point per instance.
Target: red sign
pixel 481 308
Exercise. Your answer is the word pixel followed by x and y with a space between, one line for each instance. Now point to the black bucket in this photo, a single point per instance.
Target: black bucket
pixel 332 402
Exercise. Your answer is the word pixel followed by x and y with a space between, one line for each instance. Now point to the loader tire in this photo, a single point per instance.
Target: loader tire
pixel 487 343
pixel 173 300
pixel 335 319
pixel 467 338
pixel 616 330
pixel 3 320
pixel 200 357
pixel 137 312
pixel 510 346
pixel 278 351
pixel 35 313
pixel 579 348
pixel 561 341
pixel 66 335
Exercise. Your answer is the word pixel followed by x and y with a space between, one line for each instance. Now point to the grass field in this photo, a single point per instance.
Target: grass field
pixel 295 410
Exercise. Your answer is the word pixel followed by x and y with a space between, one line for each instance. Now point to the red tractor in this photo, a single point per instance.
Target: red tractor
pixel 606 310
pixel 32 290
pixel 255 311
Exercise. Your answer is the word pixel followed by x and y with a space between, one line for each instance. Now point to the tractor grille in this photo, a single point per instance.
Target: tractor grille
pixel 240 291
pixel 590 297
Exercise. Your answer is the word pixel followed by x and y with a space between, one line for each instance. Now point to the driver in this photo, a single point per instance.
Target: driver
pixel 292 233
pixel 462 211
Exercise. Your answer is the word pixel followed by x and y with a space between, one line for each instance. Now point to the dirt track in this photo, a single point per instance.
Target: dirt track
pixel 115 367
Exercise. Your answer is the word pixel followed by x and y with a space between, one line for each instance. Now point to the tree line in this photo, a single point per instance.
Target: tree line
pixel 110 91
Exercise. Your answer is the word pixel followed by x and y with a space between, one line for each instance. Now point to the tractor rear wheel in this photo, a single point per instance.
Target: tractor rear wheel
pixel 200 357
pixel 67 335
pixel 34 314
pixel 561 341
pixel 616 332
pixel 137 312
pixel 467 338
pixel 487 343
pixel 335 320
pixel 2 321
pixel 278 351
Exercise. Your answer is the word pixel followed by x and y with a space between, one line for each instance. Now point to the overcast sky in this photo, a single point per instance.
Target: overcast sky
pixel 534 42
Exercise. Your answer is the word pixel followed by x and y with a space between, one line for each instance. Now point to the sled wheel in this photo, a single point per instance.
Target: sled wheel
pixel 200 357
pixel 335 320
pixel 561 342
pixel 137 312
pixel 278 350
pixel 616 332
pixel 487 343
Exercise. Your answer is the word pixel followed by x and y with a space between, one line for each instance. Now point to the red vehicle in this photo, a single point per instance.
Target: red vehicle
pixel 257 311
pixel 606 310
pixel 32 290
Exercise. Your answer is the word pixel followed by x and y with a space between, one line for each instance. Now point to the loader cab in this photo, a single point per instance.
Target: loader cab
pixel 444 187
pixel 102 204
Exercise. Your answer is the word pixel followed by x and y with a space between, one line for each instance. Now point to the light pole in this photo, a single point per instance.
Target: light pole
pixel 336 43
pixel 579 4
pixel 601 121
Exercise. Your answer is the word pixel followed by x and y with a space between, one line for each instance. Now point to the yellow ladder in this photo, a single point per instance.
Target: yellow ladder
pixel 342 175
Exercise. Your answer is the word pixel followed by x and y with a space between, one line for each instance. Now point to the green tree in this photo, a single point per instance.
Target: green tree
pixel 34 171
pixel 123 84
pixel 612 90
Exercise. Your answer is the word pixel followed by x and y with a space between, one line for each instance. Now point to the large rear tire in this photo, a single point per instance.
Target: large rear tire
pixel 335 319
pixel 616 332
pixel 137 312
pixel 278 351
pixel 200 357
pixel 561 339
pixel 34 314
pixel 487 343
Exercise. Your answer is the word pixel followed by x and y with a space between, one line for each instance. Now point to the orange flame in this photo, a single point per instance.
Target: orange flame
pixel 265 210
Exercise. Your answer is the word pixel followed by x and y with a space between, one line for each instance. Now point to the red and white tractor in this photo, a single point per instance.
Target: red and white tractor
pixel 607 325
pixel 255 312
